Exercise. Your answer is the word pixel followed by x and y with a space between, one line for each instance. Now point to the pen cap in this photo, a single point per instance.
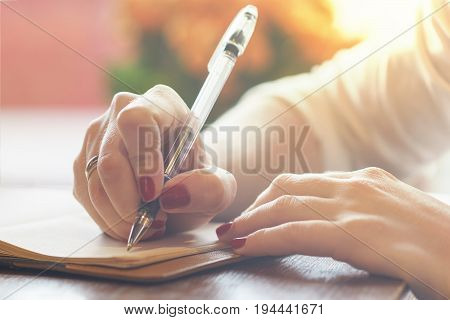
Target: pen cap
pixel 238 34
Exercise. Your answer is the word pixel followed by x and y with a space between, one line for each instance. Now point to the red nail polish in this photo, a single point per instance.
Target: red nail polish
pixel 146 188
pixel 221 230
pixel 158 224
pixel 238 243
pixel 175 197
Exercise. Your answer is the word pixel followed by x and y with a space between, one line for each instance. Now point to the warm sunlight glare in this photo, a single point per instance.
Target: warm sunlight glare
pixel 362 18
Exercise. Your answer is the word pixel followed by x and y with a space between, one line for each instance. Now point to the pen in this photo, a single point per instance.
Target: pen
pixel 231 46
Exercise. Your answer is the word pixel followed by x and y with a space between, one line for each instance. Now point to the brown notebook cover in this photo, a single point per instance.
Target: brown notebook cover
pixel 50 231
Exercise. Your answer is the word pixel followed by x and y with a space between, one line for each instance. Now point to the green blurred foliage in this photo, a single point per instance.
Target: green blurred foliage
pixel 158 64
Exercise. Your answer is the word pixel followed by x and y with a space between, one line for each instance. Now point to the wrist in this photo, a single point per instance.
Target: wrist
pixel 429 278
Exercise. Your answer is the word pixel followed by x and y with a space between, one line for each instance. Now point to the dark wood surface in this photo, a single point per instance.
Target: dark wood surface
pixel 294 277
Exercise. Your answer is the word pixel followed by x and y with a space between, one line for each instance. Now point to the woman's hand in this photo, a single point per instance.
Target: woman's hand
pixel 366 218
pixel 131 139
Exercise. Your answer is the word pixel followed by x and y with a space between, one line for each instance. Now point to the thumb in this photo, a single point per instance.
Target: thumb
pixel 207 190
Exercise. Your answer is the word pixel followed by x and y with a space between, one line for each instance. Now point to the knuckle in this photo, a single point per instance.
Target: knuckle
pixel 258 215
pixel 93 127
pixel 353 225
pixel 306 202
pixel 259 198
pixel 347 203
pixel 261 236
pixel 163 90
pixel 284 201
pixel 375 173
pixel 121 99
pixel 281 183
pixel 132 116
pixel 93 131
pixel 291 230
pixel 164 97
pixel 282 179
pixel 360 185
pixel 140 118
pixel 107 165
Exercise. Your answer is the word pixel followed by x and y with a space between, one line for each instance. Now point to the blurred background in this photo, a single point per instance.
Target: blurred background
pixel 62 60
pixel 66 54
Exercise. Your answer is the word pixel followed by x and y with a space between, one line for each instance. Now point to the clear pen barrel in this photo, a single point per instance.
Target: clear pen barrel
pixel 199 112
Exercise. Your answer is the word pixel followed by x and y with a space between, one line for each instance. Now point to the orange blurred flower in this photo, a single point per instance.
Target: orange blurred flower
pixel 192 28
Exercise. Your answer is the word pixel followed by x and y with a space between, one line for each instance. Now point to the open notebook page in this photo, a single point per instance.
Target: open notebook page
pixel 49 225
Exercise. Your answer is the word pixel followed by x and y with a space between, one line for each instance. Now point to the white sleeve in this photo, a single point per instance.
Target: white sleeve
pixel 378 104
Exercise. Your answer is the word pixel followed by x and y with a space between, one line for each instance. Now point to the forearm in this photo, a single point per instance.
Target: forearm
pixel 386 101
pixel 368 106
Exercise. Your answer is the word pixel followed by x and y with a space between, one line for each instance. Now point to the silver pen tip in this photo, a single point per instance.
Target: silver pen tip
pixel 140 226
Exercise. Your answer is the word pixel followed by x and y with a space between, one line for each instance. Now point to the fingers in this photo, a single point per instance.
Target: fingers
pixel 128 143
pixel 81 193
pixel 115 194
pixel 117 176
pixel 141 125
pixel 313 238
pixel 282 210
pixel 142 138
pixel 113 191
pixel 80 190
pixel 317 185
pixel 204 192
pixel 109 219
pixel 111 196
pixel 115 225
pixel 111 223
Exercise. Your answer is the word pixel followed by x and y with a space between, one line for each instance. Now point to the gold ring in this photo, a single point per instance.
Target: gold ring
pixel 91 166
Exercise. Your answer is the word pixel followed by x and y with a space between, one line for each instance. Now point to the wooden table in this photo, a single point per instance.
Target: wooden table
pixel 294 277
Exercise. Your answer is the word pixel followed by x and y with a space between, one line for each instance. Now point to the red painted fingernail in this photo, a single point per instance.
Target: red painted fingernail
pixel 146 188
pixel 238 243
pixel 158 224
pixel 175 197
pixel 221 230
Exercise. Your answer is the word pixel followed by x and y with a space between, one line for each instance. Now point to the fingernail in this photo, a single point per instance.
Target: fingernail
pixel 158 224
pixel 221 230
pixel 238 243
pixel 175 197
pixel 146 188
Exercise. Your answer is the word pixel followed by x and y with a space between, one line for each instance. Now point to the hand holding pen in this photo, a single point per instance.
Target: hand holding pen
pixel 231 46
pixel 111 178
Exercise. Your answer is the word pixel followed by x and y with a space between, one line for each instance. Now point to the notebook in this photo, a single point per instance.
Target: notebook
pixel 47 229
